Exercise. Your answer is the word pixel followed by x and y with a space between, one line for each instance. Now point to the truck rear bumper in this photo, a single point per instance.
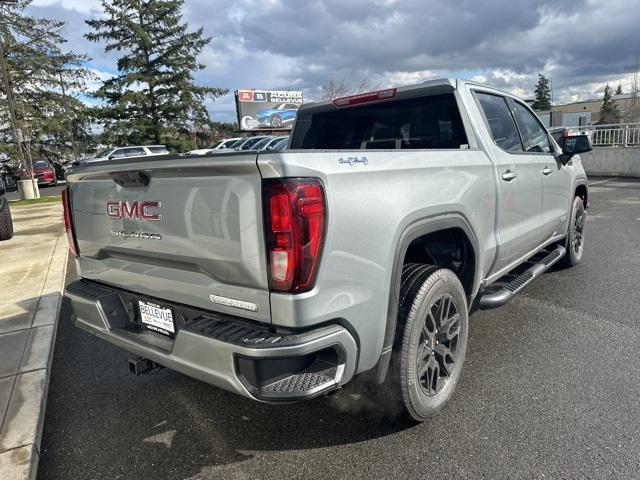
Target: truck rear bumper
pixel 239 356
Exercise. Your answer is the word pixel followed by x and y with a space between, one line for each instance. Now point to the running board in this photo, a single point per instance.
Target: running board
pixel 501 296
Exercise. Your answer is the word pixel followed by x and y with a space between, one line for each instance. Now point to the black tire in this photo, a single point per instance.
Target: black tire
pixel 575 235
pixel 6 225
pixel 430 298
pixel 276 121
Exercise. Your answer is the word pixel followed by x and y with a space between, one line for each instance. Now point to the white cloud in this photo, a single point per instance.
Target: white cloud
pixel 82 6
pixel 579 44
pixel 407 78
pixel 98 76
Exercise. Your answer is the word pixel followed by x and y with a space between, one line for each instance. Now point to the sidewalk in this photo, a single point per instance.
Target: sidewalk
pixel 32 272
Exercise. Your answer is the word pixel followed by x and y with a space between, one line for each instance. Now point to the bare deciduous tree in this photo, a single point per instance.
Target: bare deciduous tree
pixel 342 87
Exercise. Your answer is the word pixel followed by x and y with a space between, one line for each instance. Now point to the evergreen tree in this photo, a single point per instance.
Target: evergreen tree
pixel 36 75
pixel 609 110
pixel 154 98
pixel 619 89
pixel 543 94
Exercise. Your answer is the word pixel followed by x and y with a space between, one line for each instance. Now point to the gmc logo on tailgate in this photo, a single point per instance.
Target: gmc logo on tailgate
pixel 137 210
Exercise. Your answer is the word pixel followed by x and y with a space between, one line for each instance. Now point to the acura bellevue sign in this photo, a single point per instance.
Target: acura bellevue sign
pixel 267 109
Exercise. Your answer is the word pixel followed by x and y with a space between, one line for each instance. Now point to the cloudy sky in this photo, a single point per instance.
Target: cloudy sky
pixel 300 44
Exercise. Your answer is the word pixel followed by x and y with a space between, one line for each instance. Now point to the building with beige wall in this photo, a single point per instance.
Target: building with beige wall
pixel 583 113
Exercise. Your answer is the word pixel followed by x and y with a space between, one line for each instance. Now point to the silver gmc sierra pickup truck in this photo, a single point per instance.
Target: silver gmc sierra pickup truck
pixel 359 250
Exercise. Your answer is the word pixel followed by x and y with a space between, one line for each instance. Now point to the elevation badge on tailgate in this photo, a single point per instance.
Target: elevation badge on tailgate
pixel 232 302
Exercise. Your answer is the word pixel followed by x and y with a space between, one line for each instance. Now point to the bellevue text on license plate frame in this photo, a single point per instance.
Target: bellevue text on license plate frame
pixel 156 318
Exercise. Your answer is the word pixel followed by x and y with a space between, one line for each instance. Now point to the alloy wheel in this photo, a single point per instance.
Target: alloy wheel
pixel 578 229
pixel 439 338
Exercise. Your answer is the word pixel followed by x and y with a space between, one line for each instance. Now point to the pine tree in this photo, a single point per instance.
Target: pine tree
pixel 619 89
pixel 36 77
pixel 609 110
pixel 154 97
pixel 543 94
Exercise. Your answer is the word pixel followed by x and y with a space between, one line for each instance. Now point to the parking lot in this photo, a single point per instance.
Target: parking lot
pixel 44 192
pixel 550 389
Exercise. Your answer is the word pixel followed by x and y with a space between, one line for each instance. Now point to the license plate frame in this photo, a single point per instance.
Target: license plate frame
pixel 157 318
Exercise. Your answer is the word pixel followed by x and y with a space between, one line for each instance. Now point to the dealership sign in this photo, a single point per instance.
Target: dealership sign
pixel 267 109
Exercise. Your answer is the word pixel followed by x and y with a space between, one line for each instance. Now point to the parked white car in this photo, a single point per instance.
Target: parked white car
pixel 268 143
pixel 130 151
pixel 223 145
pixel 249 143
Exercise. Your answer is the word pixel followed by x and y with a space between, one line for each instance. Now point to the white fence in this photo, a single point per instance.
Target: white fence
pixel 612 135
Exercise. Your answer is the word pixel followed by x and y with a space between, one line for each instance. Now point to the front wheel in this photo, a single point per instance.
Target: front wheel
pixel 431 344
pixel 575 235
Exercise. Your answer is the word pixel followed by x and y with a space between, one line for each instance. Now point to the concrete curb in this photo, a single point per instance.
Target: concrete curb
pixel 22 424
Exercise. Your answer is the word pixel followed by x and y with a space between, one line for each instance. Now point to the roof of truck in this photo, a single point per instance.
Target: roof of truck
pixel 436 85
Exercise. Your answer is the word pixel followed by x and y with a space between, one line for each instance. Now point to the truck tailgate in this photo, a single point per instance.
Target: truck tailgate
pixel 182 229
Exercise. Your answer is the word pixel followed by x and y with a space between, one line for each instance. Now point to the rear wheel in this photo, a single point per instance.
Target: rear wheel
pixel 575 235
pixel 6 225
pixel 276 121
pixel 432 339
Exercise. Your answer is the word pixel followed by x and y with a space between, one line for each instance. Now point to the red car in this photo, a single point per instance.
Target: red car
pixel 43 172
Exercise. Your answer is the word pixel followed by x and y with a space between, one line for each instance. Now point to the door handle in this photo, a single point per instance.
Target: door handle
pixel 509 175
pixel 546 171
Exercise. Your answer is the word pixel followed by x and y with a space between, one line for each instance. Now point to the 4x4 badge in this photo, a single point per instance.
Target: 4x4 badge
pixel 353 160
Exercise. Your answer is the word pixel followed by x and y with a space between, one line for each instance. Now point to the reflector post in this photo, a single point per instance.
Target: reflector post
pixel 68 224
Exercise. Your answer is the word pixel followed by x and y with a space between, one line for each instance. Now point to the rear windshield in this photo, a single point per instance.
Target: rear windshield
pixel 427 122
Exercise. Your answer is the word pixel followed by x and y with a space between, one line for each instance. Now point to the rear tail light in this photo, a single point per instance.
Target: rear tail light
pixel 295 217
pixel 365 97
pixel 68 225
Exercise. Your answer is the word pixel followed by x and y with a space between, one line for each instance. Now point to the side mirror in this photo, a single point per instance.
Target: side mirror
pixel 574 143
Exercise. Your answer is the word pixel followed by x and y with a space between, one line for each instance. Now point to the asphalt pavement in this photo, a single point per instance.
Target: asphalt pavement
pixel 549 389
pixel 45 191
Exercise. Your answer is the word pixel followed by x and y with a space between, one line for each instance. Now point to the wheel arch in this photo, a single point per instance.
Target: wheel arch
pixel 581 190
pixel 412 233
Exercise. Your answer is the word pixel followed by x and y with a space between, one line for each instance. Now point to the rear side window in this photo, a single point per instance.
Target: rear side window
pixel 158 149
pixel 501 123
pixel 416 123
pixel 534 136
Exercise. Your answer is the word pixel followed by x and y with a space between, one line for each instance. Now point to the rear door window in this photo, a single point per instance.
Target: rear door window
pixel 134 152
pixel 430 122
pixel 501 123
